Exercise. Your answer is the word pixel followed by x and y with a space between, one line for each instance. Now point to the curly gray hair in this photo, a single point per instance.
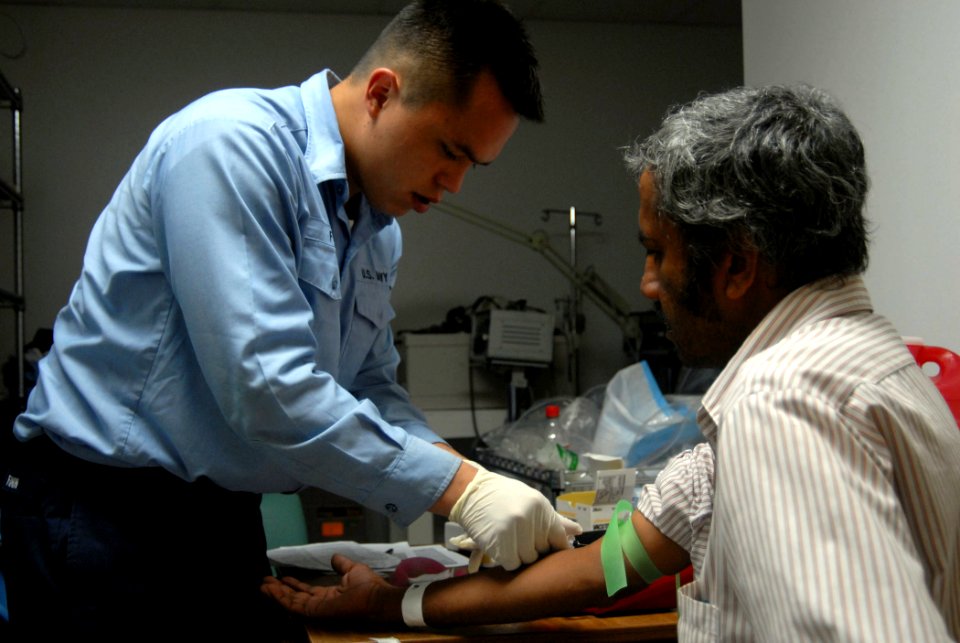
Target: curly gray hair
pixel 780 169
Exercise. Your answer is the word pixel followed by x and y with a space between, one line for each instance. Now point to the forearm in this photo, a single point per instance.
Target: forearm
pixel 564 582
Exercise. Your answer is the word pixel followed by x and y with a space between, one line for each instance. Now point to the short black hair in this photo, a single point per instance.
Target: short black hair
pixel 441 46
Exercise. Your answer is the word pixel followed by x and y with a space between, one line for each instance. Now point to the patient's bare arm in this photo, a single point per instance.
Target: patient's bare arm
pixel 564 582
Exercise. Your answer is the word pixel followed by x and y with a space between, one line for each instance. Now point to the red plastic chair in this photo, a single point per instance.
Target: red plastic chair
pixel 947 378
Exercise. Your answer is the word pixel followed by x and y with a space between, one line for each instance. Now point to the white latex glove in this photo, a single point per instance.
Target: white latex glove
pixel 477 557
pixel 509 521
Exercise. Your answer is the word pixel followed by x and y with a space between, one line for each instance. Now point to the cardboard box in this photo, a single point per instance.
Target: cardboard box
pixel 593 509
pixel 579 506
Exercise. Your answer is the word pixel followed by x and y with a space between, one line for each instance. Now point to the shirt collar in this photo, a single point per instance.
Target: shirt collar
pixel 819 300
pixel 325 153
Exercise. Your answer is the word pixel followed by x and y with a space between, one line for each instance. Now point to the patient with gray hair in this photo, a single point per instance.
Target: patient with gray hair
pixel 822 503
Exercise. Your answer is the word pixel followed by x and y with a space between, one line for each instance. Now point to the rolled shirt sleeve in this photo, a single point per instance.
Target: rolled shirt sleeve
pixel 680 501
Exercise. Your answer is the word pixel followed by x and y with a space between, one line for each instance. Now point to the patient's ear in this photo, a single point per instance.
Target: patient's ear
pixel 738 272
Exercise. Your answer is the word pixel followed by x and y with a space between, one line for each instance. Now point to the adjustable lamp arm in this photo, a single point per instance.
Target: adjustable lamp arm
pixel 588 281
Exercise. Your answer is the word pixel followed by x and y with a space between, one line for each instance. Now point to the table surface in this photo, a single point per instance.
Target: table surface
pixel 651 626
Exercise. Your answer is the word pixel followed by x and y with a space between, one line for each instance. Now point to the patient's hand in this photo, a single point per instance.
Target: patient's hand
pixel 361 592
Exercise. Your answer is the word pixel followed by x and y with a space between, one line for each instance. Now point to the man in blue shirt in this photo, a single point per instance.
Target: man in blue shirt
pixel 229 335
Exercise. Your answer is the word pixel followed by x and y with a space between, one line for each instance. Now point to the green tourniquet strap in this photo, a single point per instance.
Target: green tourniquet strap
pixel 619 539
pixel 611 556
pixel 637 553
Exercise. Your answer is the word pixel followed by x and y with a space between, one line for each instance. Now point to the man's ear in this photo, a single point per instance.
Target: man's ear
pixel 738 272
pixel 383 85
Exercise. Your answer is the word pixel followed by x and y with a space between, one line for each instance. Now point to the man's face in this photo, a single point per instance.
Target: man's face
pixel 690 311
pixel 420 152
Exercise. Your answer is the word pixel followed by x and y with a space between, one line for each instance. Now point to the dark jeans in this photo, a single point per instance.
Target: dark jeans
pixel 108 553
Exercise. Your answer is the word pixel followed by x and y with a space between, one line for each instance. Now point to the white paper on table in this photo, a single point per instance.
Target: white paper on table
pixel 381 557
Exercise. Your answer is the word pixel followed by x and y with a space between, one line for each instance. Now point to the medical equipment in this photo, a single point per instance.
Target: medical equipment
pixel 585 282
pixel 514 337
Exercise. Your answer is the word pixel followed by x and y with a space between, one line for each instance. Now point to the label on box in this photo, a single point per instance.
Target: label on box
pixel 592 509
pixel 614 485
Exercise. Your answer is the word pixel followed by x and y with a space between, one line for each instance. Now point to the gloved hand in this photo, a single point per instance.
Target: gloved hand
pixel 477 557
pixel 511 522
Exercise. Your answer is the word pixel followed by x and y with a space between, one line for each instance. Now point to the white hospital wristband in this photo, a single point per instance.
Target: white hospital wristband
pixel 412 605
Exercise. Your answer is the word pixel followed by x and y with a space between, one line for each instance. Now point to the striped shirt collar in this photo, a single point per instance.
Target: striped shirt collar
pixel 823 299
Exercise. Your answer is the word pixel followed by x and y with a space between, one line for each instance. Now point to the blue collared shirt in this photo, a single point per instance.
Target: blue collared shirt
pixel 213 332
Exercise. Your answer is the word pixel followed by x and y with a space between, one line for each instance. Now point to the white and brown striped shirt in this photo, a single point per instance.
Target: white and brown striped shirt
pixel 832 508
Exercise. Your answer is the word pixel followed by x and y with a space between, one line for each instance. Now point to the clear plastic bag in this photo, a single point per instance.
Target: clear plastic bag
pixel 627 418
pixel 523 439
pixel 640 424
pixel 527 439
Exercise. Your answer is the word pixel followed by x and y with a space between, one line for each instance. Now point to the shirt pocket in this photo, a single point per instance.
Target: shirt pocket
pixel 318 264
pixel 698 620
pixel 371 317
pixel 373 305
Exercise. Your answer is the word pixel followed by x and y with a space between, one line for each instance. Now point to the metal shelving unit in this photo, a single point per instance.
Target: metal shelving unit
pixel 11 199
